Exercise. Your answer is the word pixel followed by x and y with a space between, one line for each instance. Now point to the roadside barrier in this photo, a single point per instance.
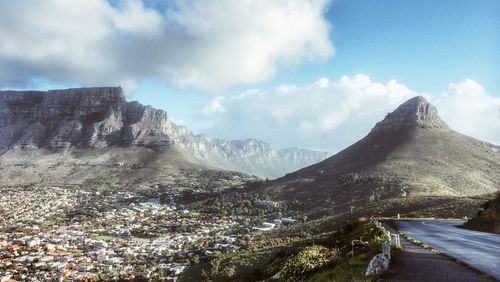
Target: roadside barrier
pixel 380 262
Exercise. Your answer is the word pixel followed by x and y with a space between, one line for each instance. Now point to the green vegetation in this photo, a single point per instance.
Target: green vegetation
pixel 321 257
pixel 247 265
pixel 348 269
pixel 352 267
pixel 309 259
pixel 236 203
pixel 105 238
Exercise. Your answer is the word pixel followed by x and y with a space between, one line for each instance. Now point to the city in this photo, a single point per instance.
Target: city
pixel 56 233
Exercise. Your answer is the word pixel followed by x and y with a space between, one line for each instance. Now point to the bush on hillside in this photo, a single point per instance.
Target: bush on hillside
pixel 309 259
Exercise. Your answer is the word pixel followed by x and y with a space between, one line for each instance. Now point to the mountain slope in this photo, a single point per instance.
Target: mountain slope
pixel 411 153
pixel 92 137
pixel 487 219
pixel 101 119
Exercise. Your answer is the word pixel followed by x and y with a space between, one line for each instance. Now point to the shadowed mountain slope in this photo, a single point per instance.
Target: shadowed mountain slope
pixel 488 218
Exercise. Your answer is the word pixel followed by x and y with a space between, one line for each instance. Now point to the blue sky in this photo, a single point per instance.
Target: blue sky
pixel 425 44
pixel 197 59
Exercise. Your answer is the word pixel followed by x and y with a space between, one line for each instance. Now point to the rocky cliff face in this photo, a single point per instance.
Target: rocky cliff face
pixel 101 118
pixel 416 112
pixel 84 117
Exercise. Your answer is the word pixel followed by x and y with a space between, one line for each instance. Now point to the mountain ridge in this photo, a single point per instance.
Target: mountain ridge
pixel 410 153
pixel 100 117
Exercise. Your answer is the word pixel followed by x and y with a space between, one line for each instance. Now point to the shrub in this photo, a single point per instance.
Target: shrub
pixel 307 260
pixel 228 272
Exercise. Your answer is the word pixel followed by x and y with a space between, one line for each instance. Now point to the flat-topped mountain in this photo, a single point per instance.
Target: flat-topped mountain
pixel 411 153
pixel 83 118
pixel 101 118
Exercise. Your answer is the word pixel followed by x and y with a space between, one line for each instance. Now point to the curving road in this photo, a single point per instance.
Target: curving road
pixel 480 250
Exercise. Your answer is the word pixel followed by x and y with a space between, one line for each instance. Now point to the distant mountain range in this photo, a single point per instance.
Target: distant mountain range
pixel 251 156
pixel 410 155
pixel 62 121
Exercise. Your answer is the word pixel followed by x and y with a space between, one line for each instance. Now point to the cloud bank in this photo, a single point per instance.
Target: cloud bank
pixel 468 108
pixel 331 115
pixel 207 44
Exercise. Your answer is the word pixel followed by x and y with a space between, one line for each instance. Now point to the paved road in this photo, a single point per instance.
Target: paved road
pixel 417 264
pixel 478 249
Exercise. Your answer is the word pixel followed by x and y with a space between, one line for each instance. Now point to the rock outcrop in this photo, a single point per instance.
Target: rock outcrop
pixel 416 112
pixel 101 118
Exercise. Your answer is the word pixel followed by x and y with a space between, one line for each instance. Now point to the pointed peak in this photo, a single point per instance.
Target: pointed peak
pixel 417 112
pixel 419 99
pixel 416 103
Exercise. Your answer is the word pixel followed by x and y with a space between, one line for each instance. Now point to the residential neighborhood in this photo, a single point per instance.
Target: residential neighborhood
pixel 54 233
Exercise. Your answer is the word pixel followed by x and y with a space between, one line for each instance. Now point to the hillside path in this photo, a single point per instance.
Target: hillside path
pixel 415 263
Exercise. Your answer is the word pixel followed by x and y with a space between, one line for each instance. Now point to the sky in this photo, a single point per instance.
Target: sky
pixel 315 74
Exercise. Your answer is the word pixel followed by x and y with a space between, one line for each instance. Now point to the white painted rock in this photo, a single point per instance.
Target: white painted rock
pixel 377 265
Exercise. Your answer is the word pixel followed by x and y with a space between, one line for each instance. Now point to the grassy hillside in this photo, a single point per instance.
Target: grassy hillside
pixel 317 256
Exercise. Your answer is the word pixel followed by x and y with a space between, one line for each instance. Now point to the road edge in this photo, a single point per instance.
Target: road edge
pixel 438 252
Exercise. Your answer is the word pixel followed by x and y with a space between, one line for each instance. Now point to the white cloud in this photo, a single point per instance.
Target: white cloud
pixel 132 16
pixel 325 114
pixel 331 115
pixel 215 106
pixel 208 44
pixel 467 107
